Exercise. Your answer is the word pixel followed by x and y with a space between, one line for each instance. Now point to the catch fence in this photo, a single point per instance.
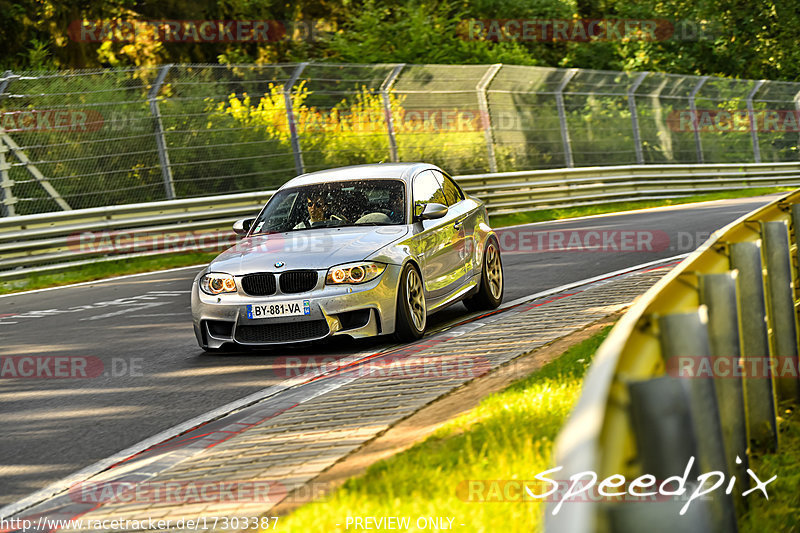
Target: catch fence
pixel 118 136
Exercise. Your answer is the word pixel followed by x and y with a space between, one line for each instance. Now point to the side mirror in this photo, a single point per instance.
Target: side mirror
pixel 433 211
pixel 241 227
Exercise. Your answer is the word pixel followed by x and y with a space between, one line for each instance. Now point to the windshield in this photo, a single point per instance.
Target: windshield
pixel 342 203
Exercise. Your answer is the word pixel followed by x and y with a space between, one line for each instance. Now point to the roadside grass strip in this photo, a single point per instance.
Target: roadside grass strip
pixel 106 269
pixel 509 436
pixel 545 215
pixel 782 511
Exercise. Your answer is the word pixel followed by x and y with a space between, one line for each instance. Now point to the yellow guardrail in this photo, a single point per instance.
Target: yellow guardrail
pixel 698 367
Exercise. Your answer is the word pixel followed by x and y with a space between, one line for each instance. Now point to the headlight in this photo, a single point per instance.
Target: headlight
pixel 215 283
pixel 354 273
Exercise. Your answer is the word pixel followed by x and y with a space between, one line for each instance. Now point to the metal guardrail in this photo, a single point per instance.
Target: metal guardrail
pixel 683 374
pixel 50 242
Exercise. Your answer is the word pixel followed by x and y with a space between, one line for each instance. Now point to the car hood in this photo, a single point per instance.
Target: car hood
pixel 316 249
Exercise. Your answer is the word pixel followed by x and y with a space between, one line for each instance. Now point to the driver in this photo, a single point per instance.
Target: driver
pixel 317 205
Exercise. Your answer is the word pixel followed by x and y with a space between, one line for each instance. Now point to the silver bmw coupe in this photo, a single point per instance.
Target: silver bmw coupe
pixel 361 251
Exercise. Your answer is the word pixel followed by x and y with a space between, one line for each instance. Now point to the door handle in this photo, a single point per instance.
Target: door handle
pixel 457 225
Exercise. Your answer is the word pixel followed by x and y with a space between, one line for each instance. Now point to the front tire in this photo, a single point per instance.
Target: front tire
pixel 490 292
pixel 411 315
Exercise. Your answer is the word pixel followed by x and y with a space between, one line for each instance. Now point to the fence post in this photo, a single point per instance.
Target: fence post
pixel 698 145
pixel 8 200
pixel 4 81
pixel 163 156
pixel 752 116
pixel 562 116
pixel 299 166
pixel 387 109
pixel 483 107
pixel 637 140
pixel 797 108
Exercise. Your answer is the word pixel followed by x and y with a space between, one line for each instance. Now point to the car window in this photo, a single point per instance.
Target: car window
pixel 427 190
pixel 345 203
pixel 452 192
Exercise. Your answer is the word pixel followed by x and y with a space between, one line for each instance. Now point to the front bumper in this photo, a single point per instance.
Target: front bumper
pixel 355 310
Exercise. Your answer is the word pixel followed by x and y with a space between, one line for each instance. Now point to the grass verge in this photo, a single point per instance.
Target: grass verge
pixel 106 269
pixel 780 512
pixel 508 436
pixel 149 264
pixel 513 219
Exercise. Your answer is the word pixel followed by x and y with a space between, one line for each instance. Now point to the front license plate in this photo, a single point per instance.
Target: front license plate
pixel 290 308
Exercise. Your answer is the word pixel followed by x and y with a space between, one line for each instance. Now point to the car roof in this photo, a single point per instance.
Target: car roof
pixel 402 171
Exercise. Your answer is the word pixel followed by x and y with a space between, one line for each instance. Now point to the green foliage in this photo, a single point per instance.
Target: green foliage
pixel 402 34
pixel 352 131
pixel 738 39
pixel 779 512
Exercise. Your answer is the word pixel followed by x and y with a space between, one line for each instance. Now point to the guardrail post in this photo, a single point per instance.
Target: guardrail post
pixel 751 115
pixel 161 142
pixel 760 404
pixel 718 294
pixel 387 109
pixel 663 450
pixel 299 166
pixel 781 316
pixel 796 240
pixel 698 145
pixel 6 183
pixel 483 107
pixel 686 335
pixel 637 140
pixel 562 117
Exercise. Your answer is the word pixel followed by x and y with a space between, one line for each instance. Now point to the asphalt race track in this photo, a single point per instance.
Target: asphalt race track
pixel 146 373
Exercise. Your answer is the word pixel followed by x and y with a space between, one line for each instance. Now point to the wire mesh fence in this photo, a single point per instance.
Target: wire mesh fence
pixel 117 136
